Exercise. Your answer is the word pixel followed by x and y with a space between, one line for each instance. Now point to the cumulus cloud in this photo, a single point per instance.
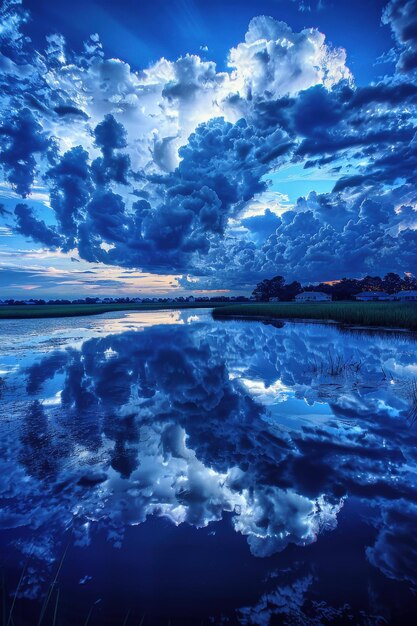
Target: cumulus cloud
pixel 274 61
pixel 153 112
pixel 29 226
pixel 21 138
pixel 70 190
pixel 366 237
pixel 401 16
pixel 152 169
pixel 221 168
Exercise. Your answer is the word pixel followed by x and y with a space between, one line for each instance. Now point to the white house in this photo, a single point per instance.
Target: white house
pixel 407 296
pixel 373 296
pixel 313 296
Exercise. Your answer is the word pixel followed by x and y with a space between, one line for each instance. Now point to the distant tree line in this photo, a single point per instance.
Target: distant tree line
pixel 344 289
pixel 126 300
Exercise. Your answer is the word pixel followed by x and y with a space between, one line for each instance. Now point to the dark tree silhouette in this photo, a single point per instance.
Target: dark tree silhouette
pixel 276 288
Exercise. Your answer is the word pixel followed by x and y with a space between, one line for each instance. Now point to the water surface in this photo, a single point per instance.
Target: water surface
pixel 166 467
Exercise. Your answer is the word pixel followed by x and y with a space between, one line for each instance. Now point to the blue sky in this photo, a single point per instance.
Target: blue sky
pixel 142 32
pixel 139 140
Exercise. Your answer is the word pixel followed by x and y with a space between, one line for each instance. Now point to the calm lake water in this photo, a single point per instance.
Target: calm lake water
pixel 162 468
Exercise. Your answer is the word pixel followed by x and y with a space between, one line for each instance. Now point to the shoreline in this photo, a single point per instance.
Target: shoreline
pixel 47 311
pixel 307 320
pixel 397 317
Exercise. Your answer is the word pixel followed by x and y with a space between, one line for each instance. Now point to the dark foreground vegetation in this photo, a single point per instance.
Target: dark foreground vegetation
pixel 386 314
pixel 72 310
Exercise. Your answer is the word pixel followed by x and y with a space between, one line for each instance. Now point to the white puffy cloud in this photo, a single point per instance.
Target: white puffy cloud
pixel 296 95
pixel 274 61
pixel 161 105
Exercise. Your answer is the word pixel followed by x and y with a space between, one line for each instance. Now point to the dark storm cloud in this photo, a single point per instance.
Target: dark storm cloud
pixel 161 194
pixel 388 167
pixel 333 122
pixel 324 236
pixel 21 139
pixel 392 94
pixel 355 239
pixel 109 136
pixel 106 222
pixel 401 15
pixel 29 226
pixel 70 180
pixel 63 110
pixel 221 168
pixel 369 226
pixel 262 226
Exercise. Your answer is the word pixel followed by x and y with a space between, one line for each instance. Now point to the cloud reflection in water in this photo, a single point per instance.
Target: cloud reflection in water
pixel 192 421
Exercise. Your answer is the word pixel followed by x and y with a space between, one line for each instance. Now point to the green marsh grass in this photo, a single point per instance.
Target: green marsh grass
pixel 27 311
pixel 397 315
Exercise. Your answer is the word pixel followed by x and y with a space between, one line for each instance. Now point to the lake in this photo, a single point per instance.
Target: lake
pixel 162 468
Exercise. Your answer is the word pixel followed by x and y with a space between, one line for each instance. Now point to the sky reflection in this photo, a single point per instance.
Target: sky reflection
pixel 284 436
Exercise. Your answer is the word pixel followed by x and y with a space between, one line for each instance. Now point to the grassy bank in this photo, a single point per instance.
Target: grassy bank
pixel 72 310
pixel 386 314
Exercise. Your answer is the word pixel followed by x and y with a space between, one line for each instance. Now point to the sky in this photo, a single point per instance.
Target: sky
pixel 169 148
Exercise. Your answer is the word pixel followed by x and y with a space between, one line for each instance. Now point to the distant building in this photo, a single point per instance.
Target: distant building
pixel 407 296
pixel 275 299
pixel 313 296
pixel 373 296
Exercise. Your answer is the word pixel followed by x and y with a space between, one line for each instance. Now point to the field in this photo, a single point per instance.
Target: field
pixel 72 310
pixel 386 314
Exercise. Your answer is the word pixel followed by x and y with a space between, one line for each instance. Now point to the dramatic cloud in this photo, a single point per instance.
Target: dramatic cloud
pixel 154 169
pixel 28 225
pixel 401 15
pixel 21 139
pixel 274 61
